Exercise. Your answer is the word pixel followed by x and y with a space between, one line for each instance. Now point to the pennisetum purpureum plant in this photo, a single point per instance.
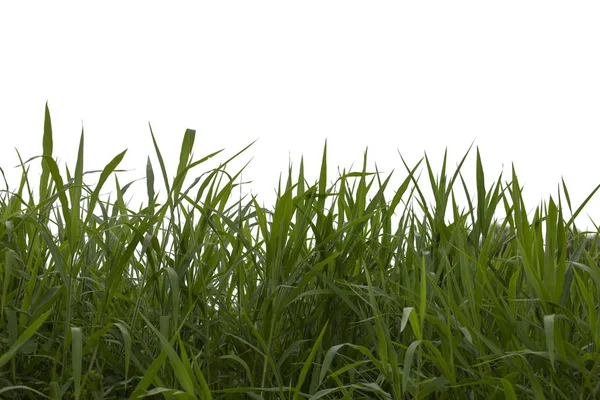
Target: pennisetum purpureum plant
pixel 336 292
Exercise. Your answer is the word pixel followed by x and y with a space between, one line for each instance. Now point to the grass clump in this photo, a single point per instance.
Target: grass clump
pixel 337 292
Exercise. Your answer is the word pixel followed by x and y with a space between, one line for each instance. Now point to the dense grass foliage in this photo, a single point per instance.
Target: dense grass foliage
pixel 337 292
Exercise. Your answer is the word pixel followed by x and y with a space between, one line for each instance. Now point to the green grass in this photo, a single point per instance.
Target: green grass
pixel 337 292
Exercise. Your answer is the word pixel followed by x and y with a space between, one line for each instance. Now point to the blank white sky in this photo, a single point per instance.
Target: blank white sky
pixel 519 78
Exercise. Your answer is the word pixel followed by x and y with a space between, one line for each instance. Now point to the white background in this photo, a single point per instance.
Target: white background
pixel 519 78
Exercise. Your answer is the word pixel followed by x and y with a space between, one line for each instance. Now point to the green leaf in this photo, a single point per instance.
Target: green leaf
pixel 308 362
pixel 23 338
pixel 76 358
pixel 183 375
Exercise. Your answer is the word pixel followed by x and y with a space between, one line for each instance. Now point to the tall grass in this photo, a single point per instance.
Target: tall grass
pixel 337 292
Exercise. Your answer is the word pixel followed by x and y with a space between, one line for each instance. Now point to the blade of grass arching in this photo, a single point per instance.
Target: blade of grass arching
pixel 343 207
pixel 104 175
pixel 549 331
pixel 591 305
pixel 237 154
pixel 184 157
pixel 168 394
pixel 382 338
pixel 537 265
pixel 298 235
pixel 309 361
pixel 205 183
pixel 164 329
pixel 509 209
pixel 348 367
pixel 149 376
pixel 348 227
pixel 436 186
pixel 163 169
pixel 202 386
pixel 204 389
pixel 25 181
pixel 75 192
pixel 300 189
pixel 456 173
pixel 360 196
pixel 181 373
pixel 41 302
pixel 10 259
pixel 409 315
pixel 538 392
pixel 280 229
pixel 422 201
pixel 481 203
pixel 436 357
pixel 23 338
pixel 288 183
pixel 402 189
pixel 120 207
pixel 126 347
pixel 524 234
pixel 47 153
pixel 308 276
pixel 269 360
pixel 442 193
pixel 57 257
pixel 160 160
pixel 466 276
pixel 116 271
pixel 76 358
pixel 240 361
pixel 408 360
pixel 423 293
pixel 322 184
pixel 487 202
pixel 33 272
pixel 572 219
pixel 333 350
pixel 568 198
pixel 175 308
pixel 60 188
pixel 565 273
pixel 383 230
pixel 261 220
pixel 150 186
pixel 224 195
pixel 378 200
pixel 220 169
pixel 95 338
pixel 186 149
pixel 387 352
pixel 493 199
pixel 282 216
pixel 509 390
pixel 556 246
pixel 8 389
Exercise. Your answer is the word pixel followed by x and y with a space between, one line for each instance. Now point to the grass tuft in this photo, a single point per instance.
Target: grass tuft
pixel 336 292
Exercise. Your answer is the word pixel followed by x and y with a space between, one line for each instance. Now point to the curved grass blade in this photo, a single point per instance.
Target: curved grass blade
pixel 308 362
pixel 23 338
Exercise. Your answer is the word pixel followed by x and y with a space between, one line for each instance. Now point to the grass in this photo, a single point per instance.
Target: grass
pixel 337 292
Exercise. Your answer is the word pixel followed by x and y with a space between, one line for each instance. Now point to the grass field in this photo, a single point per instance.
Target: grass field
pixel 337 292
